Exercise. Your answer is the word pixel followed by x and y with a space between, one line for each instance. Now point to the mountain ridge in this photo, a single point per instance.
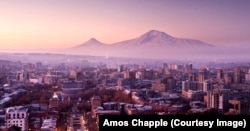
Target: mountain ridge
pixel 151 35
pixel 151 44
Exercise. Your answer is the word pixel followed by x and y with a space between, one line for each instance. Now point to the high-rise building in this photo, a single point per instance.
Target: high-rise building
pixel 120 68
pixel 202 75
pixel 20 75
pixel 219 74
pixel 228 78
pixel 18 116
pixel 237 75
pixel 193 90
pixel 139 75
pixel 247 77
pixel 207 85
pixel 188 67
pixel 129 74
pixel 218 100
pixel 192 85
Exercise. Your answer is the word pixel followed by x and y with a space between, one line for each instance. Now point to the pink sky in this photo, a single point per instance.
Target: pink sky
pixel 30 24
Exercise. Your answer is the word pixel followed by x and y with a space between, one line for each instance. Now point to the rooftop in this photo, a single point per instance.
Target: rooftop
pixel 16 109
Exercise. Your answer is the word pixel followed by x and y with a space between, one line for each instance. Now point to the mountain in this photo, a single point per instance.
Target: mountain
pixel 92 42
pixel 91 47
pixel 152 44
pixel 158 38
pixel 157 44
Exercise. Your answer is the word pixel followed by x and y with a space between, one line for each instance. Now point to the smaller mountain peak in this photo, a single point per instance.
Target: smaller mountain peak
pixel 90 42
pixel 92 39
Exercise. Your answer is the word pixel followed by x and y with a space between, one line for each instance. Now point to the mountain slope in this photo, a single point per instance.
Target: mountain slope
pixel 158 38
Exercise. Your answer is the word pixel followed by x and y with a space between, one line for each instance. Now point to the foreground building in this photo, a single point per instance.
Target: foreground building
pixel 18 116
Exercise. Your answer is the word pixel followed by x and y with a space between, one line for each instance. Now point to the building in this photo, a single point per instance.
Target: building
pixel 50 79
pixel 228 78
pixel 218 100
pixel 71 88
pixel 163 84
pixel 192 85
pixel 139 75
pixel 54 102
pixel 247 77
pixel 192 76
pixel 194 90
pixel 219 73
pixel 20 75
pixel 49 124
pixel 110 106
pixel 138 109
pixel 120 68
pixel 207 85
pixel 18 116
pixel 129 74
pixel 188 67
pixel 95 102
pixel 240 105
pixel 237 75
pixel 202 75
pixel 75 123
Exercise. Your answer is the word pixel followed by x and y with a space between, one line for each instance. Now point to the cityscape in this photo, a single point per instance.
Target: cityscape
pixel 71 93
pixel 64 64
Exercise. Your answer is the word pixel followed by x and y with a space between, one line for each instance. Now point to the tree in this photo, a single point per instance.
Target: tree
pixel 14 128
pixel 66 106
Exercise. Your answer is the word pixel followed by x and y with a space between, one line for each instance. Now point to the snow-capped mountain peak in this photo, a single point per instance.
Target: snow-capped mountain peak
pixel 155 34
pixel 154 37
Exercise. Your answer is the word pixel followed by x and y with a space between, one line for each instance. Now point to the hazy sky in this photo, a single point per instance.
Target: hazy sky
pixel 32 24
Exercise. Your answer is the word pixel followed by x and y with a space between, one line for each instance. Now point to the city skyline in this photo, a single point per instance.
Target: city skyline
pixel 62 24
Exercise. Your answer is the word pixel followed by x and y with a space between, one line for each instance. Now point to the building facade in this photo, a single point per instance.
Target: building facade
pixel 18 116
